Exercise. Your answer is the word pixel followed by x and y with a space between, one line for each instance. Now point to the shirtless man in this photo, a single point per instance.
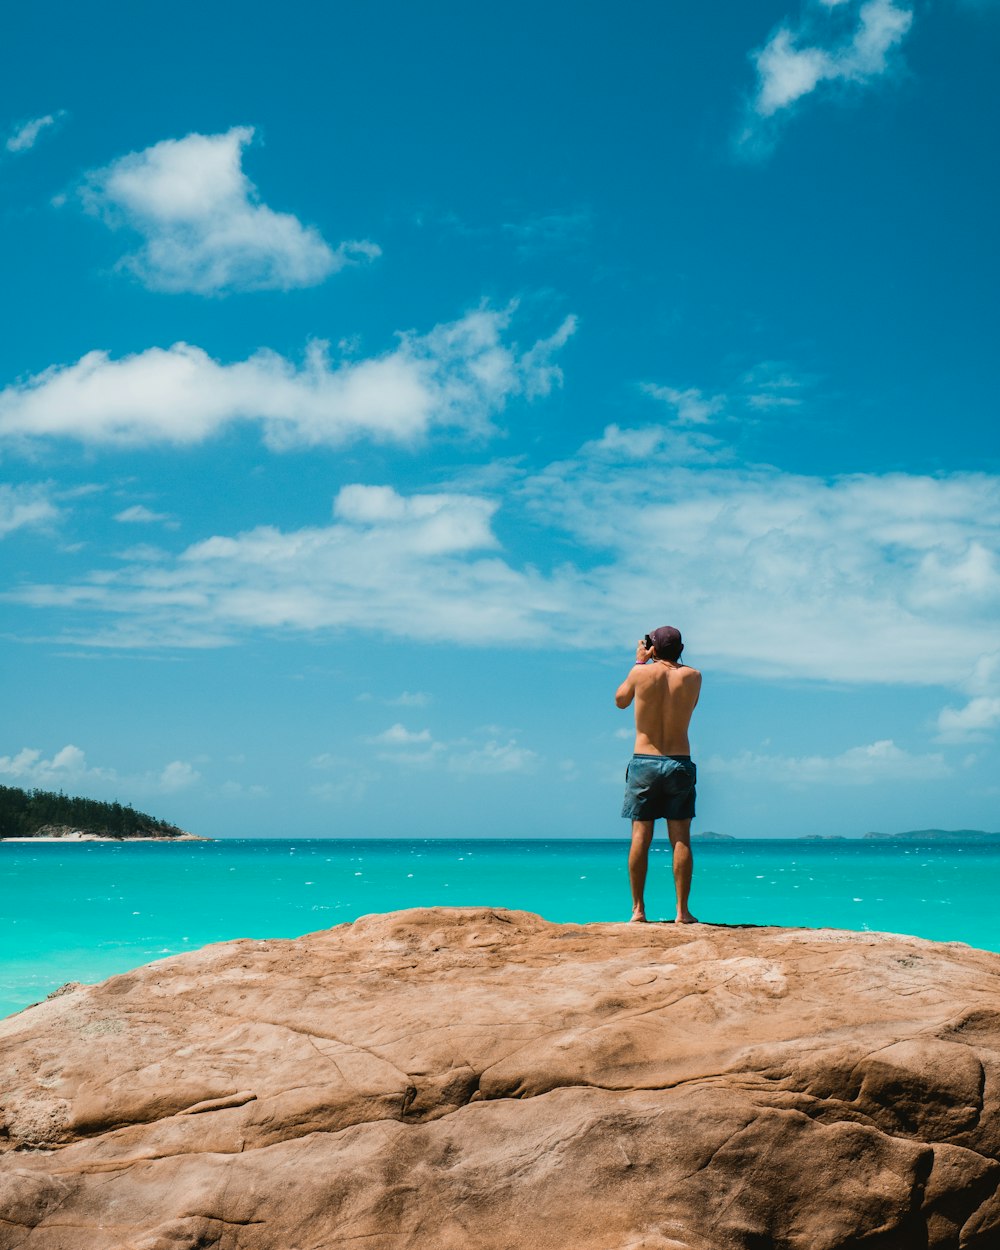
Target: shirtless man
pixel 660 779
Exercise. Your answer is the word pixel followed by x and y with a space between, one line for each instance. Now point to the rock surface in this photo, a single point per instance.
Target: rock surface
pixel 474 1079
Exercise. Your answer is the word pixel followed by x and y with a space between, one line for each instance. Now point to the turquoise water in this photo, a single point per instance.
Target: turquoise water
pixel 82 912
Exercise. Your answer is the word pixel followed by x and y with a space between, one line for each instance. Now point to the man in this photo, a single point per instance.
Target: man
pixel 660 778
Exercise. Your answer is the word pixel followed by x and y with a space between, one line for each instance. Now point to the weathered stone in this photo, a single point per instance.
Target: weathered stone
pixel 473 1079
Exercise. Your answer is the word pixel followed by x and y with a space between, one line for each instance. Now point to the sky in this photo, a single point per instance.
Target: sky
pixel 373 376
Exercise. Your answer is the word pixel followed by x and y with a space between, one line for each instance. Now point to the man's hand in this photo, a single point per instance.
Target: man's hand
pixel 643 654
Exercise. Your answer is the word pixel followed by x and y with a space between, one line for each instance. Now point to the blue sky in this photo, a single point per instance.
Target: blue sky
pixel 374 375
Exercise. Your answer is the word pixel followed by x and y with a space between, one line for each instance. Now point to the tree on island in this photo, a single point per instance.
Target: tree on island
pixel 24 813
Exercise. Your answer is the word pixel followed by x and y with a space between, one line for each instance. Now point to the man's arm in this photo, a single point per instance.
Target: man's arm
pixel 626 691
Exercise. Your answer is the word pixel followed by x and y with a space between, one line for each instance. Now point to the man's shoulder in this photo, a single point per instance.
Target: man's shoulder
pixel 690 674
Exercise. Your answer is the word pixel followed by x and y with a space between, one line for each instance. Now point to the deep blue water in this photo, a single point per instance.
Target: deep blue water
pixel 80 912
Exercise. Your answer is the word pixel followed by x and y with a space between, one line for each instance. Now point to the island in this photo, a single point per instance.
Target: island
pixel 45 816
pixel 476 1077
pixel 935 835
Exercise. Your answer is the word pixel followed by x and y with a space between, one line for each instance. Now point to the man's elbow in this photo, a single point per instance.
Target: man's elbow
pixel 622 700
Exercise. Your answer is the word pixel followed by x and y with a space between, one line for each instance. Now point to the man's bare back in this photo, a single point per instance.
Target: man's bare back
pixel 665 695
pixel 660 779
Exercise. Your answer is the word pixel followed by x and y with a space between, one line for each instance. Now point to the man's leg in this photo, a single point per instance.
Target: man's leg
pixel 638 860
pixel 680 841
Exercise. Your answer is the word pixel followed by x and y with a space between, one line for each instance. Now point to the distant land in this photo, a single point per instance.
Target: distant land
pixel 936 835
pixel 44 816
pixel 910 835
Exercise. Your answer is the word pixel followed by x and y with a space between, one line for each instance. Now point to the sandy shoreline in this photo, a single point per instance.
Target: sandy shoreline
pixel 98 837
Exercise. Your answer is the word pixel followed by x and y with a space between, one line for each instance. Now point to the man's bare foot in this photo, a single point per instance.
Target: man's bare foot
pixel 638 915
pixel 686 918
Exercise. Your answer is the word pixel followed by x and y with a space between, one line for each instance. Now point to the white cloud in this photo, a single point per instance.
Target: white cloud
pixel 767 385
pixel 479 755
pixel 425 565
pixel 29 768
pixel 429 524
pixel 25 506
pixel 772 385
pixel 859 766
pixel 237 790
pixel 787 73
pixel 618 445
pixel 399 736
pixel 459 375
pixel 981 714
pixel 781 574
pixel 541 374
pixel 834 43
pixel 177 775
pixel 326 761
pixel 409 698
pixel 68 767
pixel 350 789
pixel 985 675
pixel 139 514
pixel 969 723
pixel 203 225
pixel 25 135
pixel 494 757
pixel 874 578
pixel 690 405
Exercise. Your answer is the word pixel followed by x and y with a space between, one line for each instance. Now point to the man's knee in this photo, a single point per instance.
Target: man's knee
pixel 642 832
pixel 679 831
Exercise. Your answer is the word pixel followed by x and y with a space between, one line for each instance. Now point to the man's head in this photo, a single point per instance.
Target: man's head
pixel 666 642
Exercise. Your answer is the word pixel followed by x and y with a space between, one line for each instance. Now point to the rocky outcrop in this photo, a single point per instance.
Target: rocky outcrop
pixel 481 1080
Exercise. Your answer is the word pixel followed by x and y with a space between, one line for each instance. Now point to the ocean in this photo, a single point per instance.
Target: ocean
pixel 84 911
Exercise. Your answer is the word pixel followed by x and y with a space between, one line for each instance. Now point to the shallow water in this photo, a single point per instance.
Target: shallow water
pixel 85 911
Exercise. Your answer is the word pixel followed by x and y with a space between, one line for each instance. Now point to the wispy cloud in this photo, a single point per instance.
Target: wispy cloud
pixel 25 135
pixel 399 736
pixel 872 578
pixel 425 564
pixel 494 756
pixel 773 385
pixel 460 374
pixel 878 762
pixel 769 385
pixel 853 578
pixel 533 235
pixel 690 406
pixel 969 723
pixel 550 232
pixel 481 754
pixel 981 714
pixel 25 506
pixel 139 514
pixel 835 43
pixel 409 698
pixel 177 775
pixel 203 225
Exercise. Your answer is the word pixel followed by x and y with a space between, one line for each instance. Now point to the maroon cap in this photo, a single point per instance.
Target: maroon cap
pixel 667 641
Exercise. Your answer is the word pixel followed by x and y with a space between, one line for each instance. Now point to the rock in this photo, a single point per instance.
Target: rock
pixel 471 1079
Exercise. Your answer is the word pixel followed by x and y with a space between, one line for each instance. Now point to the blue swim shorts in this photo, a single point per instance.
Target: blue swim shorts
pixel 659 786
